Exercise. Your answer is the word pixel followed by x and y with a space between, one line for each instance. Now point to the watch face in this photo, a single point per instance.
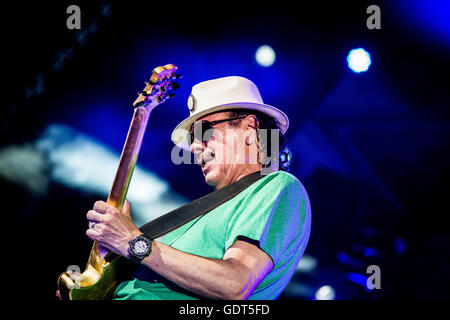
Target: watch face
pixel 140 247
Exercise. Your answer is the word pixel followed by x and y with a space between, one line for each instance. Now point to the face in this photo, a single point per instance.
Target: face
pixel 225 157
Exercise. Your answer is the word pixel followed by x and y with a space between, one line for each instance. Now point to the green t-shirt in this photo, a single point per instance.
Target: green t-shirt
pixel 275 211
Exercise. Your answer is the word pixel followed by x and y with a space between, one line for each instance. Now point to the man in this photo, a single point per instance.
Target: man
pixel 246 248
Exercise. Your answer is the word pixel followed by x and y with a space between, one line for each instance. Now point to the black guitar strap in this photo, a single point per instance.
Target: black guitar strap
pixel 178 217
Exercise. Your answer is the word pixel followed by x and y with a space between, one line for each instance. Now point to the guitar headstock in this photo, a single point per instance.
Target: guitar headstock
pixel 159 88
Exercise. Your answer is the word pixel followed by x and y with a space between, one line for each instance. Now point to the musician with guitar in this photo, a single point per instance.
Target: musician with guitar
pixel 241 241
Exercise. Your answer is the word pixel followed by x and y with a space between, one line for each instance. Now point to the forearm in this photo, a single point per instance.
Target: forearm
pixel 212 278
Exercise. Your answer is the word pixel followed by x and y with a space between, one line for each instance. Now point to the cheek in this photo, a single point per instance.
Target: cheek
pixel 224 156
pixel 227 151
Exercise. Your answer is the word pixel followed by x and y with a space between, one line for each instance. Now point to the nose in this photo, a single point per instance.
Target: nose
pixel 197 147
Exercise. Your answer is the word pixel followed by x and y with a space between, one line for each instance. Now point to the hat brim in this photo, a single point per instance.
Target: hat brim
pixel 179 134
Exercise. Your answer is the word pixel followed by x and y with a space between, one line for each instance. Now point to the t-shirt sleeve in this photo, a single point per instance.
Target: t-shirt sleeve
pixel 270 215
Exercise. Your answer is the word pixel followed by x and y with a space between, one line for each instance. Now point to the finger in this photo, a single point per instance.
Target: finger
pixel 92 234
pixel 94 216
pixel 126 208
pixel 102 206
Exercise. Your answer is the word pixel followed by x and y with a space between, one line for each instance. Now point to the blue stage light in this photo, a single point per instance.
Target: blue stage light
pixel 358 60
pixel 265 56
pixel 357 278
pixel 400 245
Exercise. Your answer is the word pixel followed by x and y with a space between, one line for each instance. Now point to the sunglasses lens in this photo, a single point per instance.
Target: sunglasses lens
pixel 207 134
pixel 200 131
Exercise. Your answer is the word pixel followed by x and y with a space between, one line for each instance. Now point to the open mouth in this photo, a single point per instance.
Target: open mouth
pixel 205 158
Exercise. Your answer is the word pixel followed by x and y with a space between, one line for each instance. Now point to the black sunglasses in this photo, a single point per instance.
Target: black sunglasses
pixel 201 129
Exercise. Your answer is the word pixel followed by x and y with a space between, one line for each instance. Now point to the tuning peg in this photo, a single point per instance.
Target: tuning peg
pixel 174 85
pixel 177 76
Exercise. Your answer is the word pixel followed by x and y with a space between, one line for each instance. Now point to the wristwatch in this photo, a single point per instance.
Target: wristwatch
pixel 139 248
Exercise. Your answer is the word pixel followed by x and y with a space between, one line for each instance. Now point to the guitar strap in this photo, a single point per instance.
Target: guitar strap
pixel 178 217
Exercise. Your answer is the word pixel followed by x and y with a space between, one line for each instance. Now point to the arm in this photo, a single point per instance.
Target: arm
pixel 242 268
pixel 240 271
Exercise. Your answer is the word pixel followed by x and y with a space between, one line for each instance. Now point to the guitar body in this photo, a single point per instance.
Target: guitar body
pixel 105 286
pixel 97 282
pixel 103 289
pixel 105 270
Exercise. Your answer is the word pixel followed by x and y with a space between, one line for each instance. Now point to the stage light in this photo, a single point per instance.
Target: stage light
pixel 325 293
pixel 357 278
pixel 370 252
pixel 265 56
pixel 81 162
pixel 307 264
pixel 26 166
pixel 358 60
pixel 400 245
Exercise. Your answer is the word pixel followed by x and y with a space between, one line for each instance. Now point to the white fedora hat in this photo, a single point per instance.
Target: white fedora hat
pixel 223 94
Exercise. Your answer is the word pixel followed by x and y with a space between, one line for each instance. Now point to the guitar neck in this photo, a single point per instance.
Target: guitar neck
pixel 122 179
pixel 129 157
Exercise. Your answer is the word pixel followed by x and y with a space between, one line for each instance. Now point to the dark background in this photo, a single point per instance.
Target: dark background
pixel 371 148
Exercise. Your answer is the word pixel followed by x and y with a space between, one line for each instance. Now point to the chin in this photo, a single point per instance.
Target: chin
pixel 210 180
pixel 212 177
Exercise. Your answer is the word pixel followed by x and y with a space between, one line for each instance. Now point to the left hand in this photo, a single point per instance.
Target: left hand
pixel 112 228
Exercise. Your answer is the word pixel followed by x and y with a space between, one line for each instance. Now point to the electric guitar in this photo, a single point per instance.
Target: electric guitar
pixel 105 270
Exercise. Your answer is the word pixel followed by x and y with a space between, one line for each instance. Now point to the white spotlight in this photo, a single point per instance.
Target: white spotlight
pixel 265 56
pixel 325 293
pixel 358 60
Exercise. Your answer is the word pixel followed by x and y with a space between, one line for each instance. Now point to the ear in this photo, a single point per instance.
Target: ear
pixel 252 130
